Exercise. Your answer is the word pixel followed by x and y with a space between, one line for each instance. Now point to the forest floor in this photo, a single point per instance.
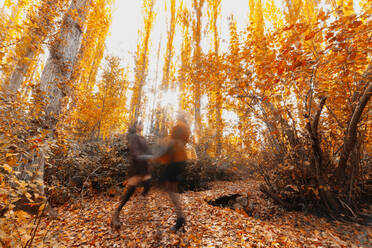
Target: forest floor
pixel 147 222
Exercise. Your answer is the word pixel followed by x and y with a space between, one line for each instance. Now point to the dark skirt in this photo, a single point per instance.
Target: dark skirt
pixel 173 172
pixel 138 168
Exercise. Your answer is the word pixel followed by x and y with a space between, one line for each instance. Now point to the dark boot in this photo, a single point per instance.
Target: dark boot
pixel 179 223
pixel 146 187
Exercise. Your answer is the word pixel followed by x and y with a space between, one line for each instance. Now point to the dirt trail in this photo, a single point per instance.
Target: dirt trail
pixel 147 222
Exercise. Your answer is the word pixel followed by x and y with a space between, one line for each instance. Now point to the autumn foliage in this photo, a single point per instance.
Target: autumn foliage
pixel 296 79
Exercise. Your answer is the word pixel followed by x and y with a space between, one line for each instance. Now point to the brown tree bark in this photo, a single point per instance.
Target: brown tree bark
pixel 351 133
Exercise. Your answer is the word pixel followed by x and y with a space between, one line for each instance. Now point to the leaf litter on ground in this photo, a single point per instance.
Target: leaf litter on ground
pixel 146 222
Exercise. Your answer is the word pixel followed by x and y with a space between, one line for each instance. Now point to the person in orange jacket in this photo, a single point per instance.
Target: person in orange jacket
pixel 174 158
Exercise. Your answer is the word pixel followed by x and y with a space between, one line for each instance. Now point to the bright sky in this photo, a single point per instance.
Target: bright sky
pixel 127 20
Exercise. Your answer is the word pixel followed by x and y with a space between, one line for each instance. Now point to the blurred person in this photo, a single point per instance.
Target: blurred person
pixel 138 171
pixel 174 159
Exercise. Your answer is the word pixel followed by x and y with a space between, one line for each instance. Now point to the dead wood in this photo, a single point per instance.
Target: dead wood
pixel 264 189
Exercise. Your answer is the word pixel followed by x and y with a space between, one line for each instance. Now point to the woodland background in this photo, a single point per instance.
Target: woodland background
pixel 298 78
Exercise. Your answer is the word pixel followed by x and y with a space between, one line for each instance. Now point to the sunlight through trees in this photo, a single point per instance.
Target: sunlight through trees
pixel 286 95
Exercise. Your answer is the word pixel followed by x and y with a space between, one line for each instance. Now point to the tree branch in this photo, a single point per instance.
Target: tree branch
pixel 351 133
pixel 334 116
pixel 313 131
pixel 275 197
pixel 314 125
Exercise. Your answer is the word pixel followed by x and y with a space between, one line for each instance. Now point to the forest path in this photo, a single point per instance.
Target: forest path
pixel 148 225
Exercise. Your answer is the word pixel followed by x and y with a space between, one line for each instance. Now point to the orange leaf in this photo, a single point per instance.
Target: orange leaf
pixel 322 16
pixel 310 36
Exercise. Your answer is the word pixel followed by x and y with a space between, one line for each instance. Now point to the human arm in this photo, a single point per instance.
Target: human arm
pixel 163 157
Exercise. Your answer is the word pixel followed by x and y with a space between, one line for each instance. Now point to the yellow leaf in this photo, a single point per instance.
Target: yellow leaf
pixel 7 168
pixel 28 195
pixel 42 206
pixel 10 154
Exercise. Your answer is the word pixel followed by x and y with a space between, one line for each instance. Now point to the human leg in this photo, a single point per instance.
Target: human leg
pixel 171 177
pixel 145 183
pixel 172 188
pixel 115 221
pixel 146 187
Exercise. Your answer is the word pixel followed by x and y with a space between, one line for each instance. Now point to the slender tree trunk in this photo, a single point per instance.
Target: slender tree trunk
pixel 30 45
pixel 351 133
pixel 215 121
pixel 169 52
pixel 143 72
pixel 219 121
pixel 141 65
pixel 198 5
pixel 101 117
pixel 215 11
pixel 185 64
pixel 155 88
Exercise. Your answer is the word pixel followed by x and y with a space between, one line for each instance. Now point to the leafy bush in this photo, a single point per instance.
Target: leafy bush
pixel 97 166
pixel 90 167
pixel 22 145
pixel 199 173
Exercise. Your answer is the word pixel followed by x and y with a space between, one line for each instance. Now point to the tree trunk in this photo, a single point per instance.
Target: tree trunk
pixel 169 52
pixel 141 65
pixel 30 45
pixel 154 93
pixel 351 133
pixel 198 5
pixel 54 82
pixel 59 65
pixel 214 7
pixel 219 121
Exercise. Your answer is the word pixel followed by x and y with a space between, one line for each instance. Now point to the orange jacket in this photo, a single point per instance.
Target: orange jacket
pixel 176 151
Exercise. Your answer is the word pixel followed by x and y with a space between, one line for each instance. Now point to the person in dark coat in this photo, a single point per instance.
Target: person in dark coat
pixel 138 171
